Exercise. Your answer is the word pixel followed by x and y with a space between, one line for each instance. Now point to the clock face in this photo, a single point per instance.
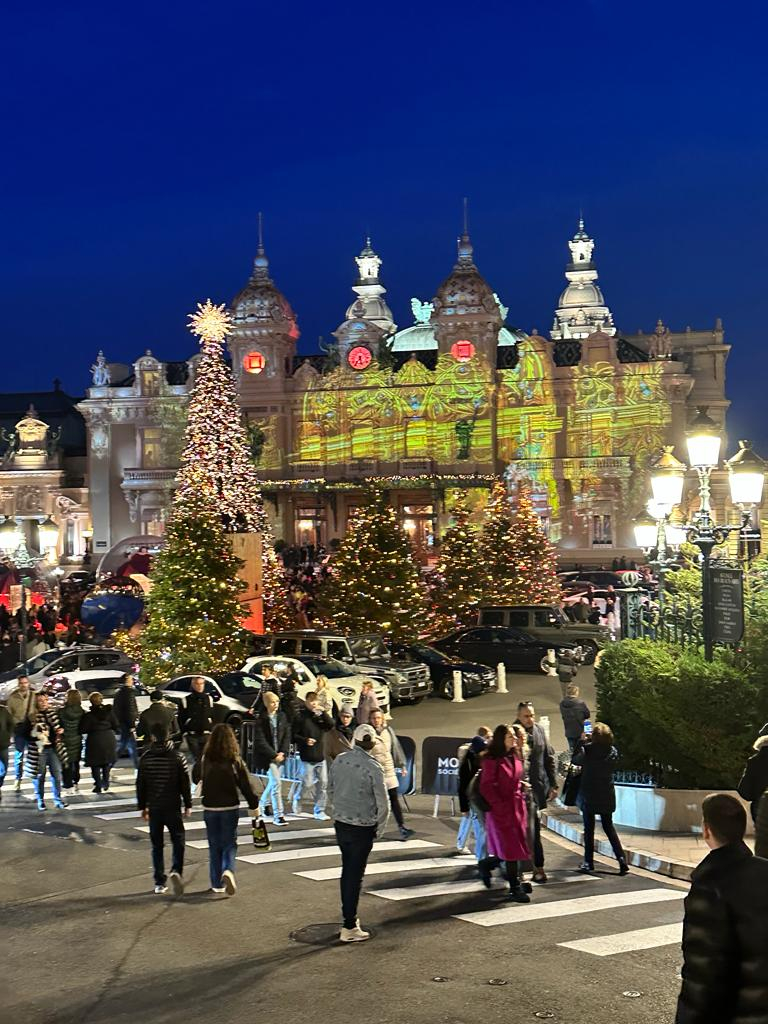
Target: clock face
pixel 254 362
pixel 360 357
pixel 462 350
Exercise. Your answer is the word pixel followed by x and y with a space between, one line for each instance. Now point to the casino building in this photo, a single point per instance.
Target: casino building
pixel 448 402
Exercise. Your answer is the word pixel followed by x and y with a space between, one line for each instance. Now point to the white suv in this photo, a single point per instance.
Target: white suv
pixel 344 683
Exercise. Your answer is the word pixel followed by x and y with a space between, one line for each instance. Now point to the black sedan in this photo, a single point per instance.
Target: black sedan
pixel 517 650
pixel 475 679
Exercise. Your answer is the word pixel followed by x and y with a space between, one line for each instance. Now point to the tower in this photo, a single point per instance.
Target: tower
pixel 466 316
pixel 368 319
pixel 263 341
pixel 582 310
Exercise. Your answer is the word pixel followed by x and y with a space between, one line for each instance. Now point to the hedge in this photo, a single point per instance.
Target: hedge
pixel 688 722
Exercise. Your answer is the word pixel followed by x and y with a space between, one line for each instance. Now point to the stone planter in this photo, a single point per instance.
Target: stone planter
pixel 664 810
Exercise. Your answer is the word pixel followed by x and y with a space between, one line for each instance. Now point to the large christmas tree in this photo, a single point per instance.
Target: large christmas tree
pixel 458 580
pixel 495 549
pixel 193 609
pixel 533 560
pixel 376 584
pixel 216 463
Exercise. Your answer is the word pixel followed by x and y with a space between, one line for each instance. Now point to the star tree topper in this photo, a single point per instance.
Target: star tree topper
pixel 211 323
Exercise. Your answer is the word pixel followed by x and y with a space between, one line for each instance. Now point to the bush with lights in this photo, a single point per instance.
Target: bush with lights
pixel 375 583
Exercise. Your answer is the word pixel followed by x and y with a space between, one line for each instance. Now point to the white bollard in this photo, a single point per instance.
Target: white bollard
pixel 551 662
pixel 544 723
pixel 458 694
pixel 501 678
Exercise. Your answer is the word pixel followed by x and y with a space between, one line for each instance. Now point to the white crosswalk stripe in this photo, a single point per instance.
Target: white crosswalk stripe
pixel 389 867
pixel 420 892
pixel 310 852
pixel 627 942
pixel 275 837
pixel 516 913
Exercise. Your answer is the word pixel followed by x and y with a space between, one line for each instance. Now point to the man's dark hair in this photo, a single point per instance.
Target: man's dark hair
pixel 159 732
pixel 725 816
pixel 155 694
pixel 22 675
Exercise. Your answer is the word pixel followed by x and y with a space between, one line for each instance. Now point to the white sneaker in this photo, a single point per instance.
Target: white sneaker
pixel 230 885
pixel 159 890
pixel 217 890
pixel 355 934
pixel 177 883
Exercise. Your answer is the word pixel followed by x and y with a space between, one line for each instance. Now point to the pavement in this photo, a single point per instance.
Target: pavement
pixel 86 941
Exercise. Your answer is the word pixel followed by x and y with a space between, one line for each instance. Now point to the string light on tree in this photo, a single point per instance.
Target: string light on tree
pixel 533 559
pixel 457 582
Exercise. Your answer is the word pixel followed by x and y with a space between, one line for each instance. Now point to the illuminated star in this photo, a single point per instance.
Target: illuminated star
pixel 211 323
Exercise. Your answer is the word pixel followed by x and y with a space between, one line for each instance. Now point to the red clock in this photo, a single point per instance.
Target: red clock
pixel 359 357
pixel 462 350
pixel 254 362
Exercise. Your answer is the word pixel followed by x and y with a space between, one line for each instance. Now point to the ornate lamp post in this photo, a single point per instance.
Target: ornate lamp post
pixel 746 476
pixel 48 532
pixel 667 477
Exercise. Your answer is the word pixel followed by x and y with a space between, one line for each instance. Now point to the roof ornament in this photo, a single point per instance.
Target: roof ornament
pixel 102 376
pixel 464 245
pixel 261 263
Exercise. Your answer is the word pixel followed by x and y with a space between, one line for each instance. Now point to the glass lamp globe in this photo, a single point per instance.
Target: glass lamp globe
pixel 703 441
pixel 667 477
pixel 48 532
pixel 746 475
pixel 675 536
pixel 646 534
pixel 10 536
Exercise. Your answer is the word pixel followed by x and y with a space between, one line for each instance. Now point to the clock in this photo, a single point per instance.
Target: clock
pixel 254 362
pixel 359 357
pixel 462 350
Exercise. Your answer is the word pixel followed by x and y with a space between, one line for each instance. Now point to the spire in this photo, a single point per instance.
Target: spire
pixel 369 303
pixel 582 310
pixel 261 263
pixel 464 244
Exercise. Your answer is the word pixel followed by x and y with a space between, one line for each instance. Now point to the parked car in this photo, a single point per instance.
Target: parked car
pixel 490 645
pixel 475 678
pixel 232 693
pixel 550 624
pixel 72 662
pixel 344 683
pixel 106 681
pixel 408 680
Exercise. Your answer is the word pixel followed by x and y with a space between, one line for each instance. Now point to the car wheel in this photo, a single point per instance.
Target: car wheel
pixel 590 651
pixel 447 691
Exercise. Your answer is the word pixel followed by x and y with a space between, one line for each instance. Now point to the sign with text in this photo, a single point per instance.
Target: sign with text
pixel 727 604
pixel 440 765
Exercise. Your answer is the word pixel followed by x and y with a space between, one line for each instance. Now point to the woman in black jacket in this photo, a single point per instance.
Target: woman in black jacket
pixel 597 757
pixel 99 727
pixel 754 787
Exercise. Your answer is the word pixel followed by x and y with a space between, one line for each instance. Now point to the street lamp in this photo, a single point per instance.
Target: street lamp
pixel 667 477
pixel 48 532
pixel 646 533
pixel 10 536
pixel 746 476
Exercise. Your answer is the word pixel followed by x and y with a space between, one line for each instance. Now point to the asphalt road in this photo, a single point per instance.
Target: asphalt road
pixel 85 939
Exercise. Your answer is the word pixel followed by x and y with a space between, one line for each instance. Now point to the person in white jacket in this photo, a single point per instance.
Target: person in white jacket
pixel 389 754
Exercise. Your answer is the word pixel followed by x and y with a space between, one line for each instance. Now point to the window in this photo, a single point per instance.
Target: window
pixel 182 685
pixel 284 645
pixel 602 532
pixel 68 664
pixel 493 618
pixel 542 617
pixel 310 645
pixel 99 659
pixel 107 685
pixel 152 447
pixel 338 649
pixel 479 636
pixel 518 619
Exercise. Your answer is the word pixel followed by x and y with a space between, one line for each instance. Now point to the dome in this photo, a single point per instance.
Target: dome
pixel 465 290
pixel 577 295
pixel 261 301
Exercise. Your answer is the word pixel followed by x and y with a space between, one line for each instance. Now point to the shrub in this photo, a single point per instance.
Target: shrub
pixel 688 722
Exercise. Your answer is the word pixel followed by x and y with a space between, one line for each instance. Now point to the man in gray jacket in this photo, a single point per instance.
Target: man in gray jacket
pixel 359 806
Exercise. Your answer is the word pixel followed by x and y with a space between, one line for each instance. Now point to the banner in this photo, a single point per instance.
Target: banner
pixel 440 765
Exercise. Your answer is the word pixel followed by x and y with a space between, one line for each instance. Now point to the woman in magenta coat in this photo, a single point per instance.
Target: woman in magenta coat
pixel 506 822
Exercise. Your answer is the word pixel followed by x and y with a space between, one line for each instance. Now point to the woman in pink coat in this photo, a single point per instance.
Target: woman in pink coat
pixel 506 822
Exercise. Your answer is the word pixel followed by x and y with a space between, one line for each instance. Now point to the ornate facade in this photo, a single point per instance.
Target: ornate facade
pixel 450 401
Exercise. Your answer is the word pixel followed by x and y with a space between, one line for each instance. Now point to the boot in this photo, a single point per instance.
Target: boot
pixel 623 866
pixel 516 892
pixel 484 870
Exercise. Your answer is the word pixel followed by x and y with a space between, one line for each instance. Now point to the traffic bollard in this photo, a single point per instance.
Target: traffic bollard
pixel 501 678
pixel 551 662
pixel 458 695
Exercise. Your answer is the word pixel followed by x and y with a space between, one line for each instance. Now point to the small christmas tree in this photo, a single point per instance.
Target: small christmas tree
pixel 216 463
pixel 533 560
pixel 193 609
pixel 375 583
pixel 495 549
pixel 458 579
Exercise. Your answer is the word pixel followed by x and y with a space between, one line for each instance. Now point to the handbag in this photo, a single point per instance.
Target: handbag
pixel 571 786
pixel 474 796
pixel 260 834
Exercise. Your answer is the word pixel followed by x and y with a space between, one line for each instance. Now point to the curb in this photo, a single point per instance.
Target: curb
pixel 680 870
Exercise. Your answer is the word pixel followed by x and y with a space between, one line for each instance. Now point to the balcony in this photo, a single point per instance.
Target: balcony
pixel 148 479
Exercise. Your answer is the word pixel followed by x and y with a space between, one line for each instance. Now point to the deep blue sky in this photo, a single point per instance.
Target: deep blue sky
pixel 140 140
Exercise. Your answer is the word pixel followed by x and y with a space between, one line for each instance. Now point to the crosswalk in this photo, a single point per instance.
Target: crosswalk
pixel 429 871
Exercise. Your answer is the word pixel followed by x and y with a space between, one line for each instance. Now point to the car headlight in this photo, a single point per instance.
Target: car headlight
pixel 346 691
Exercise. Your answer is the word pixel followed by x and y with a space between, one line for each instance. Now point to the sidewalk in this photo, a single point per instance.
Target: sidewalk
pixel 672 854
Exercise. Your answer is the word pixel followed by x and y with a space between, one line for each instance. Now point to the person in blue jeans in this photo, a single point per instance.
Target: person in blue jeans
pixel 309 728
pixel 470 761
pixel 224 780
pixel 6 735
pixel 46 751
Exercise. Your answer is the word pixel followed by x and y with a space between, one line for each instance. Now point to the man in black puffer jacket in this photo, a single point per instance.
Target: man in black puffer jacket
pixel 309 728
pixel 127 713
pixel 197 718
pixel 725 932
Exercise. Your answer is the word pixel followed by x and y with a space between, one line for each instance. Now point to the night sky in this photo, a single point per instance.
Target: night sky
pixel 140 140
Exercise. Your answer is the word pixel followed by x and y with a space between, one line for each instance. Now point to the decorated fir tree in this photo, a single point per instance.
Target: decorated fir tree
pixel 193 609
pixel 216 464
pixel 375 583
pixel 533 560
pixel 495 549
pixel 458 580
